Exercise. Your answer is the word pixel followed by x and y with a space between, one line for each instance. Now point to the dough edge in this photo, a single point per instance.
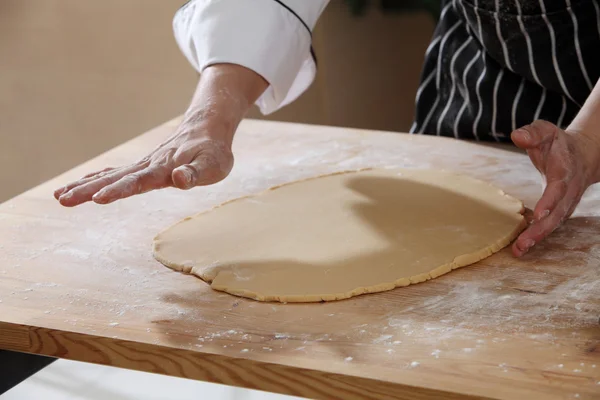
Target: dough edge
pixel 458 262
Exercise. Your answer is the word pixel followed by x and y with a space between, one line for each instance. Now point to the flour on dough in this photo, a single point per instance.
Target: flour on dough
pixel 342 235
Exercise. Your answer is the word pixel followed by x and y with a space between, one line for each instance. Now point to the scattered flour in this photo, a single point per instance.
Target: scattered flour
pixel 548 301
pixel 383 339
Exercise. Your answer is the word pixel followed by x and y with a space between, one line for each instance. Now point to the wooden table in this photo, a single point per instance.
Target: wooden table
pixel 82 284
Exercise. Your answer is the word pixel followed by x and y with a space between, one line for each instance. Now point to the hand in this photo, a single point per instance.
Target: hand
pixel 569 163
pixel 187 159
pixel 199 153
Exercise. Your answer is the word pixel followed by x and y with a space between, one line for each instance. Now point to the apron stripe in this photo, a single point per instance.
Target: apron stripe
pixel 540 105
pixel 444 11
pixel 419 92
pixel 577 46
pixel 432 45
pixel 554 60
pixel 500 38
pixel 464 11
pixel 440 55
pixel 438 74
pixel 453 77
pixel 528 41
pixel 478 85
pixel 466 102
pixel 495 105
pixel 424 84
pixel 433 107
pixel 516 104
pixel 478 22
pixel 597 16
pixel 562 113
pixel 478 92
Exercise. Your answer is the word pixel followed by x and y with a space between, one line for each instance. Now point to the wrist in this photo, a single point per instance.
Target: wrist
pixel 235 80
pixel 223 96
pixel 588 142
pixel 201 124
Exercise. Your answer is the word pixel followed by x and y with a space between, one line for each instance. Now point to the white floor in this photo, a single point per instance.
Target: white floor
pixel 69 380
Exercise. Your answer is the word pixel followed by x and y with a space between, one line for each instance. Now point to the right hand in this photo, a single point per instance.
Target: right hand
pixel 187 159
pixel 199 153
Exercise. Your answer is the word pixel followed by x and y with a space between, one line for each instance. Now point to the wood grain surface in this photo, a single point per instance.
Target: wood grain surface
pixel 82 284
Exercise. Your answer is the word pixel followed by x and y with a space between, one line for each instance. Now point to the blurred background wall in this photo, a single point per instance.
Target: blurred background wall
pixel 79 77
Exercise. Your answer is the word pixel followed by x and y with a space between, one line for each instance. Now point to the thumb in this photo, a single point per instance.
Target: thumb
pixel 534 135
pixel 205 169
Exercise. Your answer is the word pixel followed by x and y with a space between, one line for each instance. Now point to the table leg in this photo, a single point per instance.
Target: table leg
pixel 16 367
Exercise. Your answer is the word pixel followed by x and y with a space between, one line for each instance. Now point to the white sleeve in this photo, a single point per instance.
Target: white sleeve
pixel 270 37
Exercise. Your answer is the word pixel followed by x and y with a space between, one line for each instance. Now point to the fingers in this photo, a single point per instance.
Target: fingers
pixel 59 192
pixel 84 179
pixel 192 162
pixel 135 183
pixel 534 135
pixel 539 229
pixel 97 172
pixel 554 192
pixel 83 190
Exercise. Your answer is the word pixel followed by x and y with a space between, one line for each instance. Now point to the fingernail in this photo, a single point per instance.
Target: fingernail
pixel 543 214
pixel 100 196
pixel 524 134
pixel 66 196
pixel 188 178
pixel 529 244
pixel 187 175
pixel 101 200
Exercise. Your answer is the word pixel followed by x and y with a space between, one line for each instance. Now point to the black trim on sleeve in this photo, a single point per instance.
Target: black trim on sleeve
pixel 295 15
pixel 184 4
pixel 312 50
pixel 314 56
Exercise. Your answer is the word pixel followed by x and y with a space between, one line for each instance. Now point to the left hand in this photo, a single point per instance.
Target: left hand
pixel 569 163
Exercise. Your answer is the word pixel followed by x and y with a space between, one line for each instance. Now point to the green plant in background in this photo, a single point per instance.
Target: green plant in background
pixel 358 7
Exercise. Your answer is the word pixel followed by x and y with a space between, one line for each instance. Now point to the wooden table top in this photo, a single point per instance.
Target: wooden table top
pixel 81 284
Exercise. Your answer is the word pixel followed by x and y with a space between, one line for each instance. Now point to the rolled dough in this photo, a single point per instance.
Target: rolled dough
pixel 342 235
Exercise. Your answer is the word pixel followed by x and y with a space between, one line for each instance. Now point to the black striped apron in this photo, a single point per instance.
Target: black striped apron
pixel 496 65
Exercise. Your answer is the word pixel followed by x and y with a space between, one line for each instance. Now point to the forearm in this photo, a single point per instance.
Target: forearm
pixel 223 96
pixel 587 125
pixel 587 120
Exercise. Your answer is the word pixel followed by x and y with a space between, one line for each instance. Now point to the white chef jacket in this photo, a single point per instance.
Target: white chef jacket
pixel 269 37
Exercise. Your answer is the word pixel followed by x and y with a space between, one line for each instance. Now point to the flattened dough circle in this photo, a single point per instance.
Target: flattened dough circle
pixel 341 235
